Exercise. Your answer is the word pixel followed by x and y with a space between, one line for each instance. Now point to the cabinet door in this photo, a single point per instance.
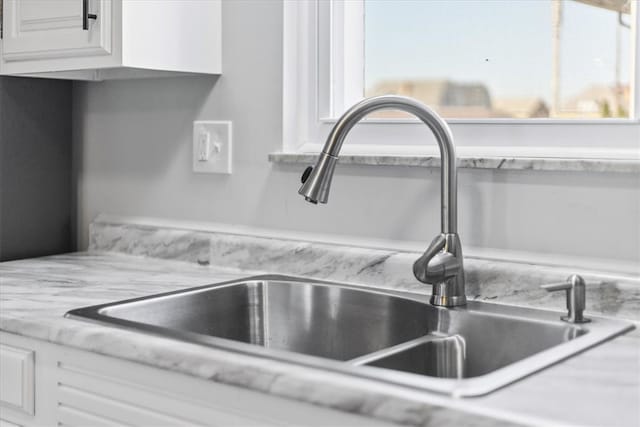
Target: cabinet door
pixel 17 384
pixel 43 29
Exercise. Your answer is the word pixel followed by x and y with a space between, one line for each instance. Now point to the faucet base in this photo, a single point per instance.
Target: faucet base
pixel 445 301
pixel 441 265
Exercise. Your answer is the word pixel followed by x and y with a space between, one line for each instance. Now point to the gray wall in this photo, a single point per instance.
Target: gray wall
pixel 35 167
pixel 134 150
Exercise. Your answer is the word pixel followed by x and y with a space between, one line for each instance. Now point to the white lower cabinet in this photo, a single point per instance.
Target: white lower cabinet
pixel 17 385
pixel 77 388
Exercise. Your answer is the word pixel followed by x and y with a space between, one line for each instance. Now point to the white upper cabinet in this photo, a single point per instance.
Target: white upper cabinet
pixel 44 29
pixel 107 39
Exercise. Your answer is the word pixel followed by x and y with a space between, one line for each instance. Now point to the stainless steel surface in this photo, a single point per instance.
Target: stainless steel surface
pixel 442 263
pixel 318 183
pixel 576 298
pixel 322 178
pixel 332 322
pixel 384 335
pixel 444 357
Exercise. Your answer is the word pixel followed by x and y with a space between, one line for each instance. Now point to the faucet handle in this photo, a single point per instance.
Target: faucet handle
pixel 441 266
pixel 575 289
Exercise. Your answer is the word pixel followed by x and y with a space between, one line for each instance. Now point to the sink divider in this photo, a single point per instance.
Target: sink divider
pixel 398 348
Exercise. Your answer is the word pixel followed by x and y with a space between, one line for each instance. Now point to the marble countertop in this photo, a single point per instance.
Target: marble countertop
pixel 496 162
pixel 598 387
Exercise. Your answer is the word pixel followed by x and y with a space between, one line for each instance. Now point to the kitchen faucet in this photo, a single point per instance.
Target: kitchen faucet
pixel 441 264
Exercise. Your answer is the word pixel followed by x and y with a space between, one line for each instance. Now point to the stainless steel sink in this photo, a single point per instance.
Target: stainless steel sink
pixel 331 322
pixel 391 336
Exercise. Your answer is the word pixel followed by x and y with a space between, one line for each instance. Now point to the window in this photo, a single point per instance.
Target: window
pixel 551 78
pixel 496 58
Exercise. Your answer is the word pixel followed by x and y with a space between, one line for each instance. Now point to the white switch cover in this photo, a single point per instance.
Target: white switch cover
pixel 212 147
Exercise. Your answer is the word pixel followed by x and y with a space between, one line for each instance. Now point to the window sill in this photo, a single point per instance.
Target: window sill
pixel 631 165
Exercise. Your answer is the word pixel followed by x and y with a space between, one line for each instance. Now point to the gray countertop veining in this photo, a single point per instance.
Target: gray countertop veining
pixel 598 387
pixel 516 283
pixel 473 162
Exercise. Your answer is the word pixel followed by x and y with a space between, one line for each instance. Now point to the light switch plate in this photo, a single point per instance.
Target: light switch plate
pixel 212 147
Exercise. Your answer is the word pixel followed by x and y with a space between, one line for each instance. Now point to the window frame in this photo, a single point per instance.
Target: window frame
pixel 323 49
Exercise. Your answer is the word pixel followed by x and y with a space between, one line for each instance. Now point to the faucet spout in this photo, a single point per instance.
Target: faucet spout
pixel 441 265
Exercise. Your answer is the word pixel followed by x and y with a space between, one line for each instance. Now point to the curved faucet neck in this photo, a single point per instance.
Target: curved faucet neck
pixel 442 263
pixel 440 129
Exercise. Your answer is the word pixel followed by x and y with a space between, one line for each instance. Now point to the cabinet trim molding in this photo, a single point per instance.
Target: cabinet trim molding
pixel 19 42
pixel 17 381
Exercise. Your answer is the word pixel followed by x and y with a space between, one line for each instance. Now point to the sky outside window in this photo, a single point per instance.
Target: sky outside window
pixel 495 58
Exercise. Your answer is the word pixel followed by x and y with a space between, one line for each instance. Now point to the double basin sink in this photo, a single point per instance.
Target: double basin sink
pixel 393 337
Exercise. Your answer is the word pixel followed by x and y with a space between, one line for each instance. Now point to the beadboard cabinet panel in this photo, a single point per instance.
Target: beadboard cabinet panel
pixel 78 388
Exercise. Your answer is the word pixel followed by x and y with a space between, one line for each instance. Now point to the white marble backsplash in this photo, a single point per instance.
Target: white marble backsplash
pixel 506 282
